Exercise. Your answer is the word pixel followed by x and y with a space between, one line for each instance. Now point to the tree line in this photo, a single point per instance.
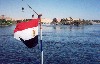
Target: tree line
pixel 5 22
pixel 70 21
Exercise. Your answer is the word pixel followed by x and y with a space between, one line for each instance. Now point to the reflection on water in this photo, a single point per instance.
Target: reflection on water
pixel 61 44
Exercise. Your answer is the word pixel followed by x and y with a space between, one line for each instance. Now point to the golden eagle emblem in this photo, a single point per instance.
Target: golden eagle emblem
pixel 33 33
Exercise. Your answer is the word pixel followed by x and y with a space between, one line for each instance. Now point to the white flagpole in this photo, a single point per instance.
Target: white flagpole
pixel 39 16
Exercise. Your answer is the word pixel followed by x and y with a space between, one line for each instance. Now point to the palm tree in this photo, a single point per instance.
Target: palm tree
pixel 54 21
pixel 71 19
pixel 66 19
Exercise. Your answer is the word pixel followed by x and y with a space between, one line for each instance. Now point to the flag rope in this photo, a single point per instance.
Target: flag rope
pixel 30 7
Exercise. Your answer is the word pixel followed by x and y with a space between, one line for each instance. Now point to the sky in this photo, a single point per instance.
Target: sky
pixel 83 9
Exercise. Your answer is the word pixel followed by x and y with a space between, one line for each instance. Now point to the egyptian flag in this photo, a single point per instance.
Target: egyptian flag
pixel 27 32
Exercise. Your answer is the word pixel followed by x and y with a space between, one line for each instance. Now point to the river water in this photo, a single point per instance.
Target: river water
pixel 61 45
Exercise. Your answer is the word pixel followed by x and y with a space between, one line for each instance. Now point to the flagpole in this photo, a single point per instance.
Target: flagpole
pixel 39 16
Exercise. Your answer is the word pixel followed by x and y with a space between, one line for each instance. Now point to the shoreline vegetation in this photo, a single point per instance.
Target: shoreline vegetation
pixel 70 21
pixel 54 21
pixel 4 22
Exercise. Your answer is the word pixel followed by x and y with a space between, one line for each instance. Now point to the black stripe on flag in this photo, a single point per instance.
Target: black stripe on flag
pixel 31 42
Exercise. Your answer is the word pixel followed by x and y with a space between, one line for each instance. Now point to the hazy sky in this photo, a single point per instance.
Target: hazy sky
pixel 84 9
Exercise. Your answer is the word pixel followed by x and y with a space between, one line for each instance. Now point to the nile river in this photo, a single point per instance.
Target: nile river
pixel 61 45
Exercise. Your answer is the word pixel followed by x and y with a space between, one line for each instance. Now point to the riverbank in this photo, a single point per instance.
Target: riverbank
pixel 5 24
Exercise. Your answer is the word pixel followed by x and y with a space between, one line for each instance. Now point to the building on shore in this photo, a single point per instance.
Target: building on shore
pixel 46 20
pixel 4 17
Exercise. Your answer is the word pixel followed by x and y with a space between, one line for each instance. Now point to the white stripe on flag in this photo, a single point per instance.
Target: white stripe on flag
pixel 26 34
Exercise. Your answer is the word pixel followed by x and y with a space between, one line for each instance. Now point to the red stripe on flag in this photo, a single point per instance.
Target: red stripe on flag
pixel 25 25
